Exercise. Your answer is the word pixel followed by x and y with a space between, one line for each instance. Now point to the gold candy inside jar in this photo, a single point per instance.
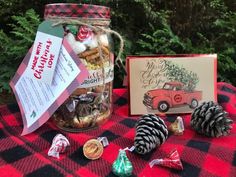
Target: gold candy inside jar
pixel 87 31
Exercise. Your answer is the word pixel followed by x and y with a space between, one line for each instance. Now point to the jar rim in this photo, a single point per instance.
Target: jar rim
pixel 76 10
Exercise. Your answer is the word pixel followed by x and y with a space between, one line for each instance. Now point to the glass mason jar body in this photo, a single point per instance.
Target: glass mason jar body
pixel 85 26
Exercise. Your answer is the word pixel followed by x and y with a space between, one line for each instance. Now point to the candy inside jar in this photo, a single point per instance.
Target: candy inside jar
pixel 90 104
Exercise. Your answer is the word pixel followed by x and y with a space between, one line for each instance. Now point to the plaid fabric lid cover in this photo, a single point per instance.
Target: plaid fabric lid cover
pixel 76 10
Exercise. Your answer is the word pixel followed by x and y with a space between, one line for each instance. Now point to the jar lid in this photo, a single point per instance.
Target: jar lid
pixel 76 10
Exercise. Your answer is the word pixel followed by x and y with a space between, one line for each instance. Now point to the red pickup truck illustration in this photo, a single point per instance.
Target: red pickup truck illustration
pixel 171 95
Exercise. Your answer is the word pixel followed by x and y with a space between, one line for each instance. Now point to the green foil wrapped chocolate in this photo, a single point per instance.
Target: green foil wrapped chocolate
pixel 122 166
pixel 72 28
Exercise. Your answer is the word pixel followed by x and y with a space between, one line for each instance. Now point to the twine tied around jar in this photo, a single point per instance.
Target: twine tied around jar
pixel 98 29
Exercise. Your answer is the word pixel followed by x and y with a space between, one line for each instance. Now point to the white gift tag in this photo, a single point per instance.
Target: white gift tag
pixel 45 52
pixel 39 100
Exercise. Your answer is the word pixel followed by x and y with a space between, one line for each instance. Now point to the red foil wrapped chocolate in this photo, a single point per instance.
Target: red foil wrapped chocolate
pixel 84 33
pixel 172 161
pixel 59 144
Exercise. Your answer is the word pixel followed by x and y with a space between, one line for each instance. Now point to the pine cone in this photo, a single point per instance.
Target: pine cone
pixel 211 120
pixel 151 132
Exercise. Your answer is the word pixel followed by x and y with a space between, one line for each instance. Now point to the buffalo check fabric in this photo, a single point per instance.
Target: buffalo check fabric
pixel 27 155
pixel 76 10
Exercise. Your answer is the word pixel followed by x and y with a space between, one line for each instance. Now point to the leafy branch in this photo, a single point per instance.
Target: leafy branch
pixel 15 45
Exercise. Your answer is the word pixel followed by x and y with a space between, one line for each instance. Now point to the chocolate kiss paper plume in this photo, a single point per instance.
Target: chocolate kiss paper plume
pixel 171 161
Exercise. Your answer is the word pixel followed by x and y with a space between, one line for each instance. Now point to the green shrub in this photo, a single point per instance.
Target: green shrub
pixel 15 45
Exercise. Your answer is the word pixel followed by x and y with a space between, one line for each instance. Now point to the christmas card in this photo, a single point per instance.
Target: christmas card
pixel 171 84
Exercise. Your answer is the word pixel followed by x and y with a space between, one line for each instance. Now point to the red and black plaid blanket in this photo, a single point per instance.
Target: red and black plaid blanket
pixel 201 156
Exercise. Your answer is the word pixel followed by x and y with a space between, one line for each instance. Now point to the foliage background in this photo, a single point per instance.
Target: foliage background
pixel 148 27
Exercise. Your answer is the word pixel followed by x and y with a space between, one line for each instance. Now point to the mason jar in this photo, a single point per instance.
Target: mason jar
pixel 86 29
